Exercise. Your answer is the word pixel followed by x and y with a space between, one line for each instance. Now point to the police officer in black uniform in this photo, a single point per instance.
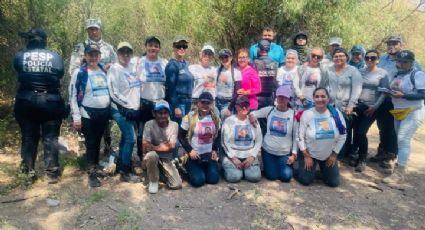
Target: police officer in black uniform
pixel 39 107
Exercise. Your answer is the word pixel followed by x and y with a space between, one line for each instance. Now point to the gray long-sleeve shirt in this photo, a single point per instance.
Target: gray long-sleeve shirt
pixel 124 86
pixel 345 88
pixel 371 81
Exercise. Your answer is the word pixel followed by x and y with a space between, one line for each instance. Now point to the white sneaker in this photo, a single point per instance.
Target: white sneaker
pixel 153 187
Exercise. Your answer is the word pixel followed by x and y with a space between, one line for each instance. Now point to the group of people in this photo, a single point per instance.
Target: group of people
pixel 294 110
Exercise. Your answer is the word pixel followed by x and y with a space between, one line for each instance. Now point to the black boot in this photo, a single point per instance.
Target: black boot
pixel 379 157
pixel 361 165
pixel 93 180
pixel 127 176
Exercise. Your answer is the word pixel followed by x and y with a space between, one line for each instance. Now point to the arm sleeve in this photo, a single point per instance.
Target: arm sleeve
pixel 253 53
pixel 76 58
pixel 339 143
pixel 383 83
pixel 183 140
pixel 75 110
pixel 419 95
pixel 113 81
pixel 258 141
pixel 171 73
pixel 294 136
pixel 279 76
pixel 356 88
pixel 263 112
pixel 236 87
pixel 226 132
pixel 255 83
pixel 297 80
pixel 59 66
pixel 281 55
pixel 302 129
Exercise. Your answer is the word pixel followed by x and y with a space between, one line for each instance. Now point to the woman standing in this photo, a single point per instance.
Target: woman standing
pixel 198 134
pixel 90 105
pixel 124 88
pixel 241 142
pixel 279 148
pixel 369 101
pixel 287 74
pixel 321 135
pixel 250 84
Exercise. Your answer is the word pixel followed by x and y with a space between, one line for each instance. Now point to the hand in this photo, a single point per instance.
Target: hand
pixel 194 155
pixel 253 120
pixel 237 162
pixel 214 155
pixel 330 162
pixel 369 112
pixel 226 113
pixel 301 97
pixel 107 66
pixel 349 110
pixel 308 161
pixel 397 94
pixel 291 159
pixel 248 162
pixel 178 112
pixel 149 147
pixel 77 125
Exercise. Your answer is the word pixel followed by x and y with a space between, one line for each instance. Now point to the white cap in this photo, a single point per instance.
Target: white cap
pixel 208 47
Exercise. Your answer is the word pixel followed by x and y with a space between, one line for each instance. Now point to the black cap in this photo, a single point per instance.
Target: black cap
pixel 405 55
pixel 242 100
pixel 34 34
pixel 394 38
pixel 264 45
pixel 206 96
pixel 92 47
pixel 225 53
pixel 152 39
pixel 340 50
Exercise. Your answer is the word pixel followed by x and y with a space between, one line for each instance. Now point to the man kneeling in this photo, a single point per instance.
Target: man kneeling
pixel 159 140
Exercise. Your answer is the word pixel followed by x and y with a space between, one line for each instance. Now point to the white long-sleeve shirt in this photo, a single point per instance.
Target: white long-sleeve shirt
pixel 240 139
pixel 96 93
pixel 152 75
pixel 318 134
pixel 124 86
pixel 280 138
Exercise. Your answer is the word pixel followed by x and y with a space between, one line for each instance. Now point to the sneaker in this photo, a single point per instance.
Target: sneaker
pixel 52 179
pixel 360 167
pixel 93 180
pixel 397 176
pixel 153 187
pixel 380 156
pixel 129 177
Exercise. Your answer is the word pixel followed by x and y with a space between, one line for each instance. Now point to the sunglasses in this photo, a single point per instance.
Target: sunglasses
pixel 206 102
pixel 371 58
pixel 180 47
pixel 319 57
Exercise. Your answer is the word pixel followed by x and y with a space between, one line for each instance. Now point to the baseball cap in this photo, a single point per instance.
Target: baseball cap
pixel 122 45
pixel 208 49
pixel 335 41
pixel 405 55
pixel 180 38
pixel 93 22
pixel 225 53
pixel 206 96
pixel 340 50
pixel 284 91
pixel 152 39
pixel 242 100
pixel 357 49
pixel 92 47
pixel 34 34
pixel 161 104
pixel 301 33
pixel 394 38
pixel 264 45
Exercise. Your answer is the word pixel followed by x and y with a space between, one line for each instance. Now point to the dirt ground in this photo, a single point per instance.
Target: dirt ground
pixel 361 202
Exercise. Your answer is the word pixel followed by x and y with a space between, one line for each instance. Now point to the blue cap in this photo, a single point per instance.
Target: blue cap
pixel 161 105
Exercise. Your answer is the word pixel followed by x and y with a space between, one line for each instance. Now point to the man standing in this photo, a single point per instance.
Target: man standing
pixel 109 56
pixel 276 52
pixel 39 107
pixel 334 43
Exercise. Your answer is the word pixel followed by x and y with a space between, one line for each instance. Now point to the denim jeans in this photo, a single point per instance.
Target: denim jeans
pixel 234 175
pixel 361 125
pixel 385 123
pixel 184 104
pixel 128 139
pixel 405 130
pixel 200 173
pixel 221 105
pixel 275 167
pixel 330 175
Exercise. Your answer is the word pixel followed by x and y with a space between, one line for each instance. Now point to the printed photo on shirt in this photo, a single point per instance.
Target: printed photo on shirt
pixel 99 84
pixel 324 128
pixel 278 126
pixel 312 79
pixel 206 132
pixel 209 82
pixel 132 79
pixel 243 135
pixel 288 79
pixel 154 72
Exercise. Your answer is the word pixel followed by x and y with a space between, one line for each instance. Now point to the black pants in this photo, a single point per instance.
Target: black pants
pixel 385 122
pixel 93 131
pixel 39 115
pixel 361 125
pixel 347 149
pixel 264 102
pixel 146 115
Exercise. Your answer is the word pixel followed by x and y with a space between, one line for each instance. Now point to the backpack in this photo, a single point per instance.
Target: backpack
pixel 81 82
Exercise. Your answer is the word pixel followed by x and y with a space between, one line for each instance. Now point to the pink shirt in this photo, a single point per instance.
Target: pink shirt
pixel 251 81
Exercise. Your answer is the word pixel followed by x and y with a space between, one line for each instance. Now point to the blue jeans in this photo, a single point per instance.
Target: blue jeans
pixel 234 175
pixel 128 139
pixel 330 175
pixel 184 104
pixel 275 167
pixel 405 130
pixel 200 173
pixel 221 105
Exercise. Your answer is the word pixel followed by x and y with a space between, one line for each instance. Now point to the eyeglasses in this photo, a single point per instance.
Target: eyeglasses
pixel 339 56
pixel 371 58
pixel 319 57
pixel 180 47
pixel 206 102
